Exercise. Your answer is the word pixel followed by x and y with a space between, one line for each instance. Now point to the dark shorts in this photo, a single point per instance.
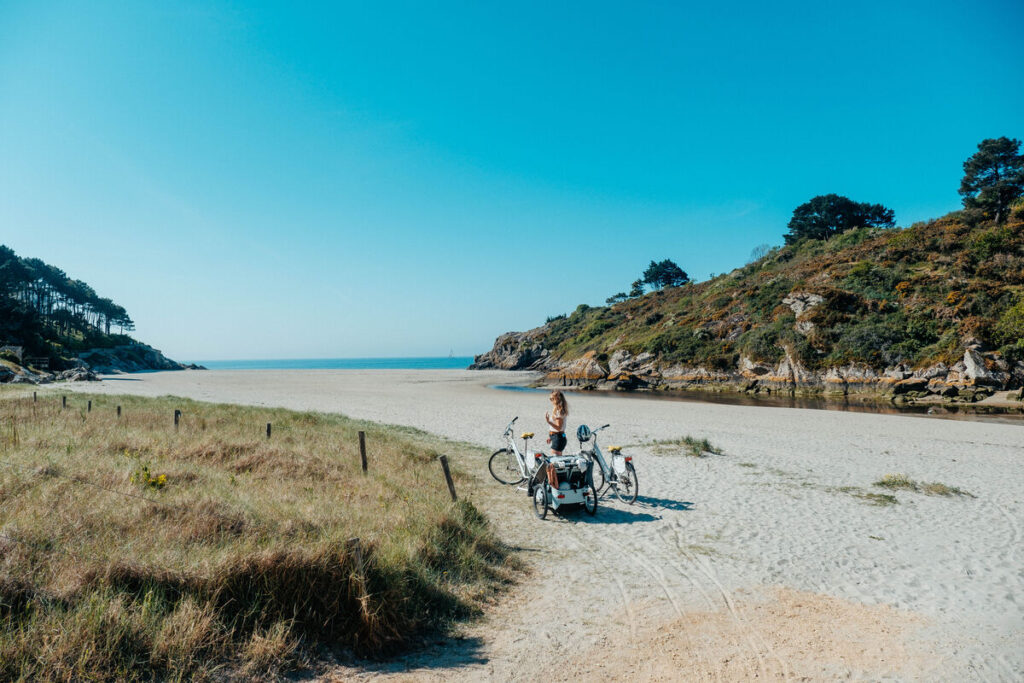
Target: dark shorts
pixel 558 441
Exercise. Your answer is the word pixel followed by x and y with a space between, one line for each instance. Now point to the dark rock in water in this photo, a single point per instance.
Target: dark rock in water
pixel 628 382
pixel 914 384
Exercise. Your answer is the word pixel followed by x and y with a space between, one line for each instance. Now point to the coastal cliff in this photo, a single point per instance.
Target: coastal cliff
pixel 936 309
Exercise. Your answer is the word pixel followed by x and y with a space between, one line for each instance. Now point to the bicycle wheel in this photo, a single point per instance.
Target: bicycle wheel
pixel 590 500
pixel 597 476
pixel 626 486
pixel 504 468
pixel 540 501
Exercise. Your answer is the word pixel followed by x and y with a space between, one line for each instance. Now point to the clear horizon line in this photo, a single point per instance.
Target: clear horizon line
pixel 308 358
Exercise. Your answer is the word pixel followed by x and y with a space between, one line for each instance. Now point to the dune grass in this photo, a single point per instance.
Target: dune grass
pixel 687 445
pixel 132 550
pixel 903 482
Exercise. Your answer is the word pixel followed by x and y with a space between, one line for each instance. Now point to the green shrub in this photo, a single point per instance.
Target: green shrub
pixel 1010 328
pixel 990 242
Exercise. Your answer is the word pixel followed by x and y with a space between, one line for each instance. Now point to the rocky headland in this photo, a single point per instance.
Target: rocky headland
pixel 134 357
pixel 934 312
pixel 978 375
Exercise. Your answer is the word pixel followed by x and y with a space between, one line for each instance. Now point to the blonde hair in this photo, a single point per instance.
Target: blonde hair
pixel 561 407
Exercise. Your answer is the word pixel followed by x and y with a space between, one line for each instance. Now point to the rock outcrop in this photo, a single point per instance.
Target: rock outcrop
pixel 977 375
pixel 515 351
pixel 127 358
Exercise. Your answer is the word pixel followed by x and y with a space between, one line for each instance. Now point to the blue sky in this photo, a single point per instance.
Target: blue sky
pixel 267 180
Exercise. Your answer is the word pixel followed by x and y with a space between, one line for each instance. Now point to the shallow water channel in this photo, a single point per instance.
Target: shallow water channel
pixel 966 411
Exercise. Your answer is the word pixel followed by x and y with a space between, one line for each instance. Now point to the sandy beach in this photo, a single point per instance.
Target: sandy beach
pixel 770 561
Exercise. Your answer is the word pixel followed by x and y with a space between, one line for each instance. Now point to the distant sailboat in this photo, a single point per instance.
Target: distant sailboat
pixel 451 352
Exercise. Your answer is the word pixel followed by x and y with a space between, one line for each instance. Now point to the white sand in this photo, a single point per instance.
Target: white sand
pixel 749 564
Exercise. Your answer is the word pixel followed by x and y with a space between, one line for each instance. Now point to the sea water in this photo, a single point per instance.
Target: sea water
pixel 420 363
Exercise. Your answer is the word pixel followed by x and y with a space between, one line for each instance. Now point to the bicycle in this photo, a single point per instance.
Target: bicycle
pixel 619 476
pixel 509 465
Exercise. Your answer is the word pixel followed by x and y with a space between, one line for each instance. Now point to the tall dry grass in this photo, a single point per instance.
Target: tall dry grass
pixel 132 550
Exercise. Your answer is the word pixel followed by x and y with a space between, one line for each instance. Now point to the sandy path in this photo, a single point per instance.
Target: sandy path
pixel 757 563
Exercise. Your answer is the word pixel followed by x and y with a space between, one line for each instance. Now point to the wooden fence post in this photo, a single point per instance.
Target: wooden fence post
pixel 34 397
pixel 447 475
pixel 268 430
pixel 362 449
pixel 177 416
pixel 63 401
pixel 89 408
pixel 356 550
pixel 119 411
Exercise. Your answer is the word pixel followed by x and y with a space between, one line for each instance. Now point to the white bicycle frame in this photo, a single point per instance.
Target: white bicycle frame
pixel 526 468
pixel 608 469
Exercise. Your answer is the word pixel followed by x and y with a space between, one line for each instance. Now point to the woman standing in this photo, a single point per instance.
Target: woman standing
pixel 556 419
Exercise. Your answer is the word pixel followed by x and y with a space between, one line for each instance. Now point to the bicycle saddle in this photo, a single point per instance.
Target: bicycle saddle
pixel 527 435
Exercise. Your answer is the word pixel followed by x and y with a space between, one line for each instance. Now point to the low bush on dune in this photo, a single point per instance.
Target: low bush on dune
pixel 902 481
pixel 688 445
pixel 133 550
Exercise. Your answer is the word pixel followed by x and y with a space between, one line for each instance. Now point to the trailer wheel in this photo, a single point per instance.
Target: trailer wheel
pixel 540 501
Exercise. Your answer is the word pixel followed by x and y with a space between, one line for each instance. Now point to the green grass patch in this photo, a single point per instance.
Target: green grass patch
pixel 903 482
pixel 880 499
pixel 687 445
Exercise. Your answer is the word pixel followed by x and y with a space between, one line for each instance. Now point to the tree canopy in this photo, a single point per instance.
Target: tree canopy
pixel 830 214
pixel 40 301
pixel 664 274
pixel 993 177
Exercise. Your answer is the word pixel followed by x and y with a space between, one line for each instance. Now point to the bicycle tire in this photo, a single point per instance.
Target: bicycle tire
pixel 540 501
pixel 591 510
pixel 627 485
pixel 597 476
pixel 504 469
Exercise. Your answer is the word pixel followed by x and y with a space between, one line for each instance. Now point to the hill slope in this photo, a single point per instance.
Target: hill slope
pixel 50 321
pixel 936 307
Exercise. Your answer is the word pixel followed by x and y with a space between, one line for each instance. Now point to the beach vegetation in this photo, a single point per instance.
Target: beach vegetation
pixel 136 551
pixel 903 482
pixel 687 445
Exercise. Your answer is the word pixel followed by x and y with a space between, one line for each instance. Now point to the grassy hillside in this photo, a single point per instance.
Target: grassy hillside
pixel 916 296
pixel 132 550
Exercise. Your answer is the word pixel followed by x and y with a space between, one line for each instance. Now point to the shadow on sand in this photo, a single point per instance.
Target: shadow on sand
pixel 605 515
pixel 442 653
pixel 663 503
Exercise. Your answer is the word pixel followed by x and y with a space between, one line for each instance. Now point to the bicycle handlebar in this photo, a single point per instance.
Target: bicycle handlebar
pixel 509 428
